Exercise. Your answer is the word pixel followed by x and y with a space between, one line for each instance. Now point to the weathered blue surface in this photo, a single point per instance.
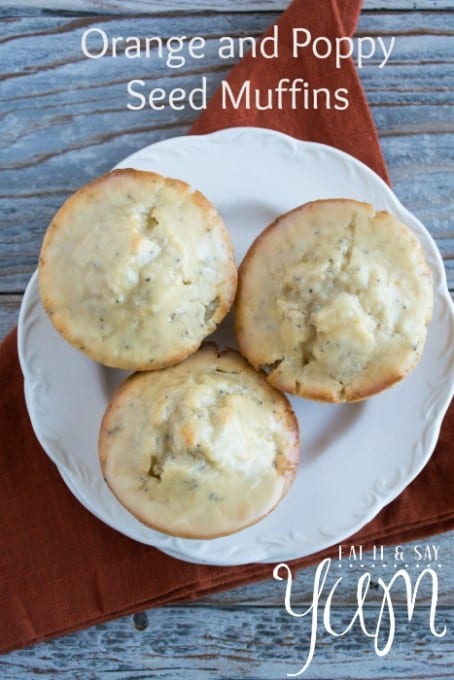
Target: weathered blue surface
pixel 63 121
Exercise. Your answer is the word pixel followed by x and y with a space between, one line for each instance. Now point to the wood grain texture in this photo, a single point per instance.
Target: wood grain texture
pixel 157 6
pixel 64 117
pixel 237 643
pixel 271 593
pixel 63 120
pixel 9 311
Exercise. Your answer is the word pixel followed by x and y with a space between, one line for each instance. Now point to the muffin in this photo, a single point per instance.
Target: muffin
pixel 136 270
pixel 201 449
pixel 333 301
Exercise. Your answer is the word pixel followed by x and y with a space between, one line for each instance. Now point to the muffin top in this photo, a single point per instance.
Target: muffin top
pixel 201 449
pixel 333 301
pixel 136 270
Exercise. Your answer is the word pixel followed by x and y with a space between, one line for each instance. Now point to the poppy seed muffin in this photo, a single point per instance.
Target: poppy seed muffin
pixel 201 449
pixel 136 270
pixel 333 301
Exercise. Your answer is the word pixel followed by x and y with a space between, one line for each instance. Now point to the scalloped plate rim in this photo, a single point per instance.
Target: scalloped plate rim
pixel 441 290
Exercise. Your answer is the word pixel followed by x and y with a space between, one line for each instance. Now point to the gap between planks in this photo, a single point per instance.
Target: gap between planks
pixel 174 6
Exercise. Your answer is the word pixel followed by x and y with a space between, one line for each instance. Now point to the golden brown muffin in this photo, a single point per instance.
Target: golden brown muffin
pixel 136 270
pixel 201 449
pixel 333 301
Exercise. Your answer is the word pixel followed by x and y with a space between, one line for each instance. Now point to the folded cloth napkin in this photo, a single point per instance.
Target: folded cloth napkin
pixel 62 569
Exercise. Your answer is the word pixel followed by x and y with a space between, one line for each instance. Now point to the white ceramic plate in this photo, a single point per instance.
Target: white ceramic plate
pixel 355 457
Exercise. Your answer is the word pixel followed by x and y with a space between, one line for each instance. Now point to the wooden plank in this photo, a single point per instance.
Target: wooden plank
pixel 431 26
pixel 9 310
pixel 407 5
pixel 238 644
pixel 64 123
pixel 155 6
pixel 271 593
pixel 60 137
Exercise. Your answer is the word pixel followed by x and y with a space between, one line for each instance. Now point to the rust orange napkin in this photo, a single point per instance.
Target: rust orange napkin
pixel 60 568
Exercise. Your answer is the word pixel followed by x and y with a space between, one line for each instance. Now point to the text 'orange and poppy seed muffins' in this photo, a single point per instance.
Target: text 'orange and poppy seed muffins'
pixel 136 270
pixel 201 449
pixel 333 301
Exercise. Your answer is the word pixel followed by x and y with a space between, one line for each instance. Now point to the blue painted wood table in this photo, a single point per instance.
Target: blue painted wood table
pixel 64 121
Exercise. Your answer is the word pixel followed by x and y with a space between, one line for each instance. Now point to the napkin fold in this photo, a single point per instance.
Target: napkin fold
pixel 351 130
pixel 62 569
